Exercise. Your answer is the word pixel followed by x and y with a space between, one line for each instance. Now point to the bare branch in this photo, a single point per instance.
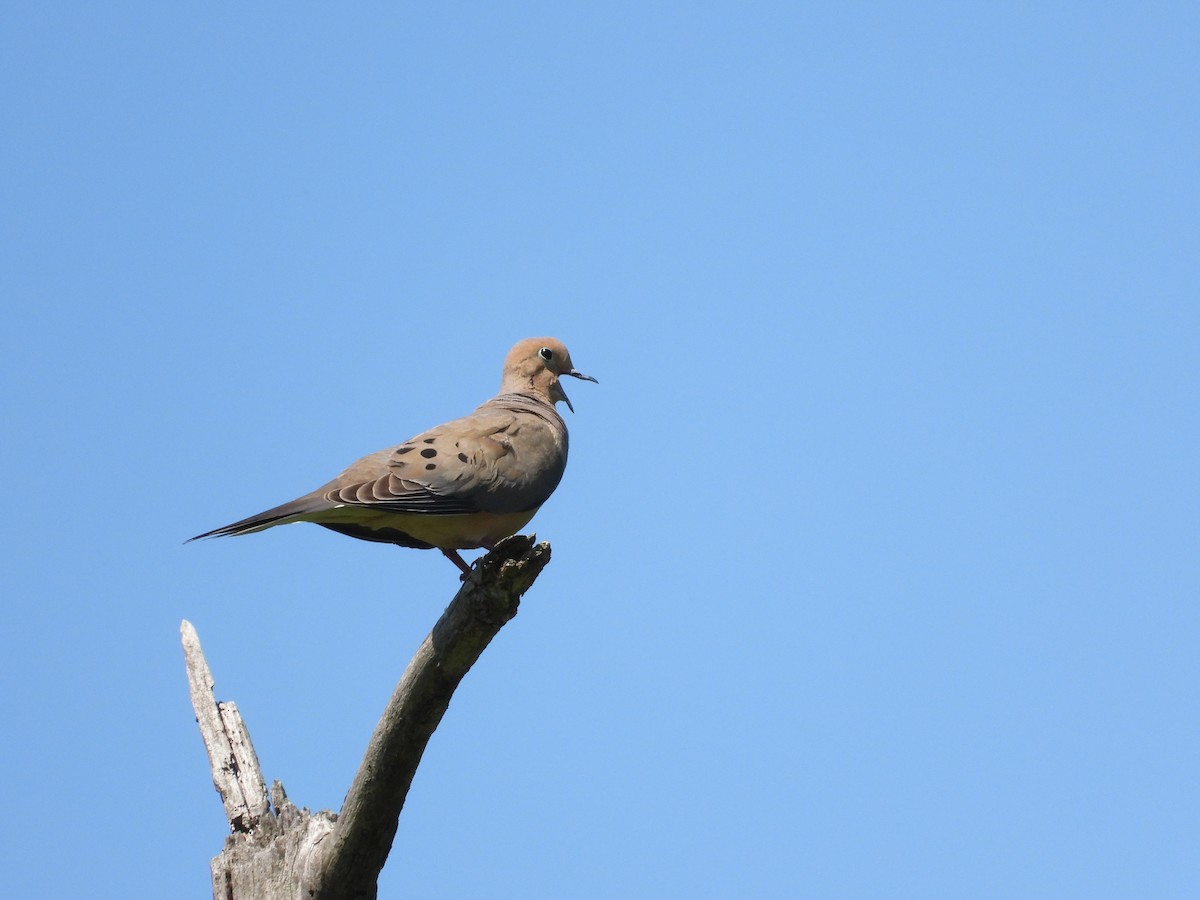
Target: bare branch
pixel 354 854
pixel 235 769
pixel 285 853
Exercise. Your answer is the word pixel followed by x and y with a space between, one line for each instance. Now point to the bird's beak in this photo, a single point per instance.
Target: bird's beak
pixel 574 373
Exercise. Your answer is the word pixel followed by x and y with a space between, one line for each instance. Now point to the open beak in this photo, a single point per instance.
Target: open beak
pixel 574 373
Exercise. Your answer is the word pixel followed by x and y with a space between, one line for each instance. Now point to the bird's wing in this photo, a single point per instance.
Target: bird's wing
pixel 464 466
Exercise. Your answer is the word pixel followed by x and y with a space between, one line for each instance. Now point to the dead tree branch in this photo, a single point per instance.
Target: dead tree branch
pixel 278 852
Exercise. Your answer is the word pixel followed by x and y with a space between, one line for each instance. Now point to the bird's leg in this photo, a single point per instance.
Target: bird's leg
pixel 453 556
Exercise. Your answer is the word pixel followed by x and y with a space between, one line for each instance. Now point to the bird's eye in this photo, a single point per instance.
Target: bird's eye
pixel 546 353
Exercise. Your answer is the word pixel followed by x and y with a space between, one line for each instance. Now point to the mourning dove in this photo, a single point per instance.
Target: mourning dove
pixel 459 486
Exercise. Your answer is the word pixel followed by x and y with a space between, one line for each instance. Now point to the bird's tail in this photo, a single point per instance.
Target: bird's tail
pixel 280 515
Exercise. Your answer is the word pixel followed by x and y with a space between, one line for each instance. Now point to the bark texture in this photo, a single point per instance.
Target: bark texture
pixel 276 851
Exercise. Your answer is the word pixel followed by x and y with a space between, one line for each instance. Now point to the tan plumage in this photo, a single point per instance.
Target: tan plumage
pixel 459 486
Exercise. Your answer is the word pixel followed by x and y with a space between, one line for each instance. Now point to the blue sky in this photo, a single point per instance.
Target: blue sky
pixel 875 567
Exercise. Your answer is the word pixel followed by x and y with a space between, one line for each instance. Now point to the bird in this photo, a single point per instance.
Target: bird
pixel 462 485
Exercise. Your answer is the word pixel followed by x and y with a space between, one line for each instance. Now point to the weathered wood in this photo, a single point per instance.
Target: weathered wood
pixel 278 852
pixel 355 852
pixel 269 862
pixel 236 773
pixel 266 847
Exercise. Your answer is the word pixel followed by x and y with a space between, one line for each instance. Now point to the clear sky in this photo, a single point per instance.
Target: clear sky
pixel 875 564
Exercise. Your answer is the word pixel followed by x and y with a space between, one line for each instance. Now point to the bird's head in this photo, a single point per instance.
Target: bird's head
pixel 535 365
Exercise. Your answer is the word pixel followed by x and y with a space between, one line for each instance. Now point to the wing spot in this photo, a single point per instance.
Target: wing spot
pixel 429 453
pixel 404 449
pixel 431 466
pixel 430 440
pixel 462 457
